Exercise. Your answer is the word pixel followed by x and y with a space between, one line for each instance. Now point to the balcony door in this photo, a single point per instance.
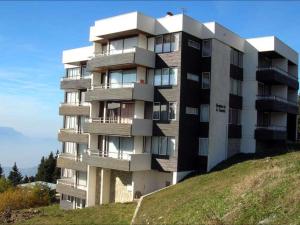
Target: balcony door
pixel 120 147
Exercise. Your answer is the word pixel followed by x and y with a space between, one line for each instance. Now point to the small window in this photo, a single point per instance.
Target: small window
pixel 163 112
pixel 167 43
pixel 191 111
pixel 192 77
pixel 194 44
pixel 206 48
pixel 205 80
pixel 173 76
pixel 157 77
pixel 165 76
pixel 156 111
pixel 234 116
pixel 203 147
pixel 235 87
pixel 172 110
pixel 204 113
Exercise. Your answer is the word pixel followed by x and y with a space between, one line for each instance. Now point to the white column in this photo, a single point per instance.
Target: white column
pixel 105 186
pixel 91 186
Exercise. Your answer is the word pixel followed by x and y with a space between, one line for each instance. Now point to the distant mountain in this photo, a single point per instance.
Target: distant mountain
pixel 25 151
pixel 31 171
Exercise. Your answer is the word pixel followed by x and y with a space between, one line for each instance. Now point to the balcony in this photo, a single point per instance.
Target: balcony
pixel 70 161
pixel 273 75
pixel 69 187
pixel 270 132
pixel 71 135
pixel 124 91
pixel 74 109
pixel 131 127
pixel 124 162
pixel 136 57
pixel 77 82
pixel 273 103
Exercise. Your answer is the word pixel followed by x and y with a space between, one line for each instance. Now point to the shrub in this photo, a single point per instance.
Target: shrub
pixel 4 184
pixel 21 198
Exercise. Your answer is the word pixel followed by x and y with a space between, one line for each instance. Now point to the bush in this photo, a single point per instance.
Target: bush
pixel 4 184
pixel 22 198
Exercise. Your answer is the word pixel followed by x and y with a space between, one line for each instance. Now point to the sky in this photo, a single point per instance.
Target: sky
pixel 34 34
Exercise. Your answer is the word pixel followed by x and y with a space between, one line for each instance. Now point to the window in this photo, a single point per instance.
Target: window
pixel 84 72
pixel 163 145
pixel 204 113
pixel 236 58
pixel 172 110
pixel 120 147
pixel 130 44
pixel 193 77
pixel 206 48
pixel 203 147
pixel 82 121
pixel 191 111
pixel 234 116
pixel 72 97
pixel 70 148
pixel 81 178
pixel 167 43
pixel 164 112
pixel 194 44
pixel 122 45
pixel 158 44
pixel 71 122
pixel 122 78
pixel 205 80
pixel 66 173
pixel 156 111
pixel 165 76
pixel 235 87
pixel 73 73
pixel 82 96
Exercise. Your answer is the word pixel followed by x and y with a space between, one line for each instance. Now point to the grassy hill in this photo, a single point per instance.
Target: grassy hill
pixel 241 191
pixel 257 191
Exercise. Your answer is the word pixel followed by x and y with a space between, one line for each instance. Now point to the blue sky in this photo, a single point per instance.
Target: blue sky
pixel 33 35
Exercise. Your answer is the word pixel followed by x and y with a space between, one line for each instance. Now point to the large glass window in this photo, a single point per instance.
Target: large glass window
pixel 204 113
pixel 166 111
pixel 120 147
pixel 70 148
pixel 203 147
pixel 235 87
pixel 167 43
pixel 156 111
pixel 163 145
pixel 122 78
pixel 205 80
pixel 130 44
pixel 73 73
pixel 123 45
pixel 206 48
pixel 71 122
pixel 234 116
pixel 236 58
pixel 72 97
pixel 165 76
pixel 172 110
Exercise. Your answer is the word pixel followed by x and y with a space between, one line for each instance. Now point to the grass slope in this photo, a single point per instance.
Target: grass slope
pixel 257 191
pixel 106 214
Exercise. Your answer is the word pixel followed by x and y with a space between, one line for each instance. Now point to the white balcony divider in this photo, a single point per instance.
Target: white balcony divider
pixel 278 70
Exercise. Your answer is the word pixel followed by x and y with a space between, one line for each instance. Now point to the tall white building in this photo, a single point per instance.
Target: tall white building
pixel 151 100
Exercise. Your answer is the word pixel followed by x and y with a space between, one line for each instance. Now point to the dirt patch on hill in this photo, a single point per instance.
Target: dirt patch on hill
pixel 13 216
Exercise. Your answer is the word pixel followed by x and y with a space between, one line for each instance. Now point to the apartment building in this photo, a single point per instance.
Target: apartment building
pixel 151 100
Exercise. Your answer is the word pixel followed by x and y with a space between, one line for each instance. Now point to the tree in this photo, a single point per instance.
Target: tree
pixel 25 179
pixel 47 170
pixel 31 179
pixel 1 172
pixel 15 177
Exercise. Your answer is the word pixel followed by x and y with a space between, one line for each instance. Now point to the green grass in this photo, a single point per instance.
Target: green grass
pixel 263 190
pixel 105 214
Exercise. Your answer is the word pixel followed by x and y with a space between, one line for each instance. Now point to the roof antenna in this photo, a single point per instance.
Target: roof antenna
pixel 183 10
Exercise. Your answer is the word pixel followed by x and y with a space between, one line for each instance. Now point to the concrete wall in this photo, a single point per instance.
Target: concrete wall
pixel 249 115
pixel 219 94
pixel 121 186
pixel 148 181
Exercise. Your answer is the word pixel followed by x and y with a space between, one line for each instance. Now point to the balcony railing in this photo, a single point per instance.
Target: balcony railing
pixel 105 154
pixel 77 77
pixel 271 127
pixel 276 98
pixel 71 183
pixel 111 120
pixel 115 85
pixel 74 104
pixel 285 73
pixel 70 156
pixel 72 130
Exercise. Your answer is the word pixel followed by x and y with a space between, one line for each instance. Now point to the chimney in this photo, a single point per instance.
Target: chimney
pixel 170 14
